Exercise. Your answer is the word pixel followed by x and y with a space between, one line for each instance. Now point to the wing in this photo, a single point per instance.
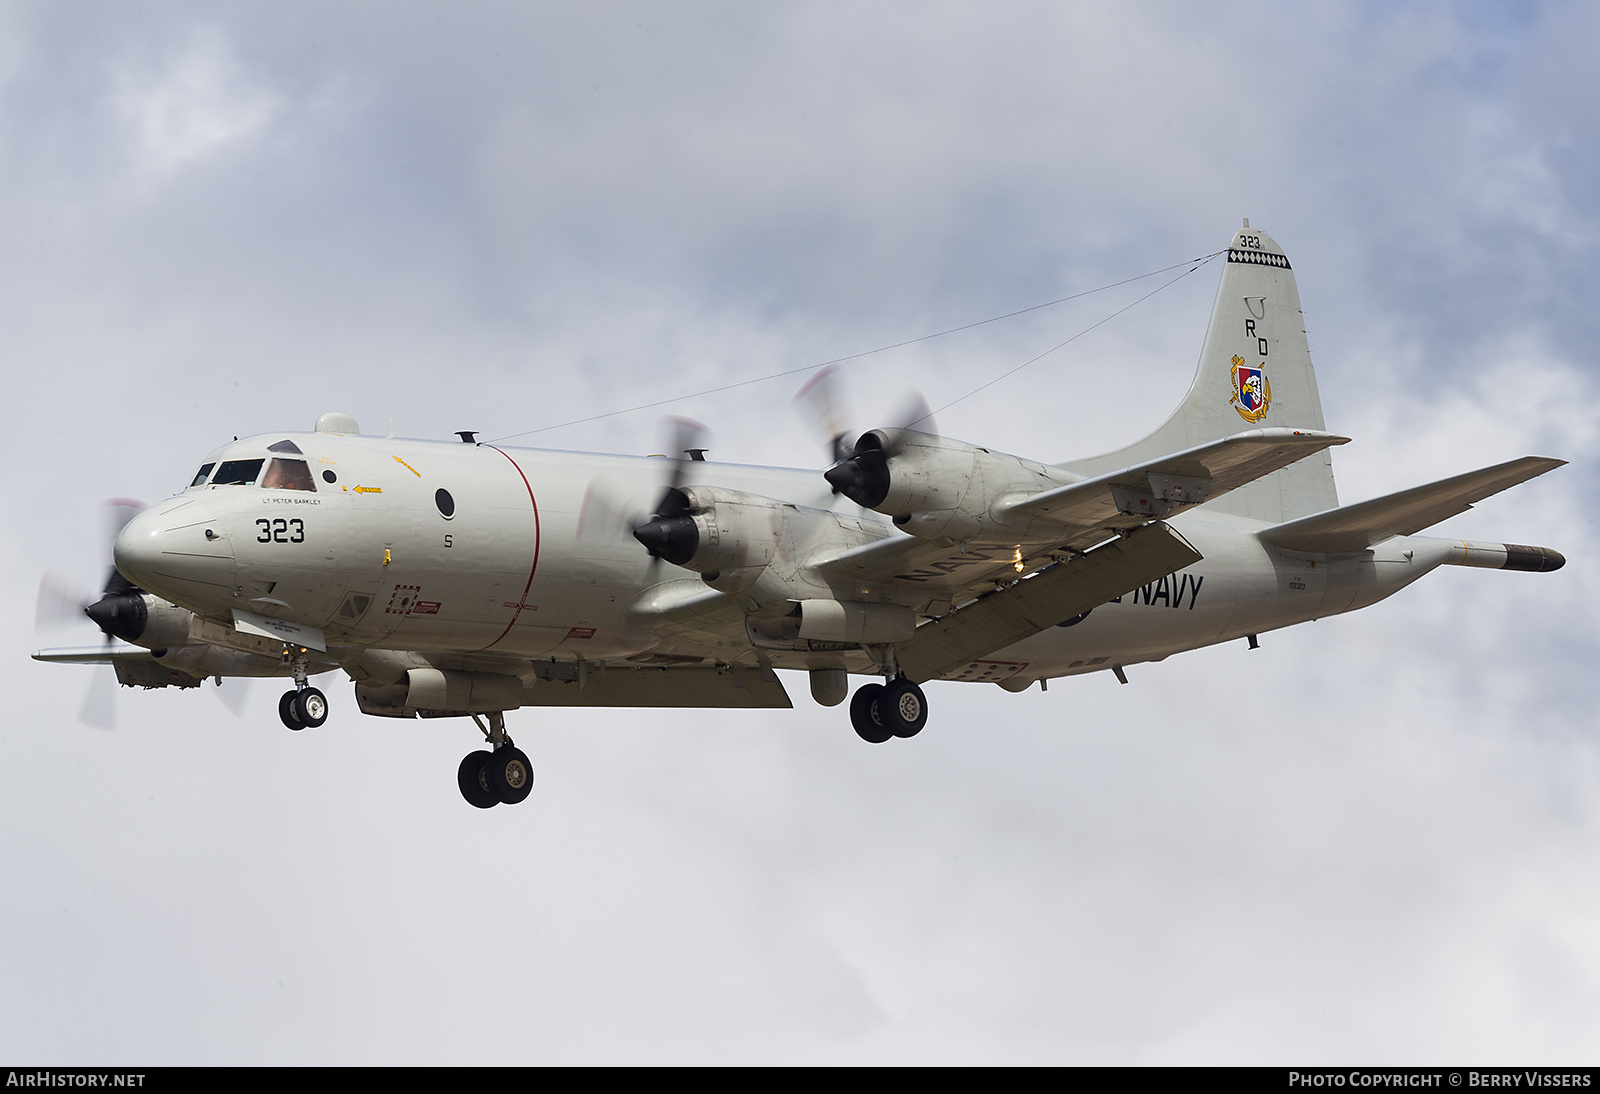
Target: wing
pixel 1049 597
pixel 1073 517
pixel 135 666
pixel 108 653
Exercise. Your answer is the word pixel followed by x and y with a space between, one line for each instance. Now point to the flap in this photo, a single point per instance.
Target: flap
pixel 697 686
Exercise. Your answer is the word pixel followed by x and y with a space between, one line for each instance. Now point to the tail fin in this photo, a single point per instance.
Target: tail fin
pixel 1255 370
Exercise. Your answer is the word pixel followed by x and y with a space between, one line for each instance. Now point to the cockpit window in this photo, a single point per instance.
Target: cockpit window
pixel 288 475
pixel 237 472
pixel 200 476
pixel 285 446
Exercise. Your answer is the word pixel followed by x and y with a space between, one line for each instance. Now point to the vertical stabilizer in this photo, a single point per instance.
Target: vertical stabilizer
pixel 1255 371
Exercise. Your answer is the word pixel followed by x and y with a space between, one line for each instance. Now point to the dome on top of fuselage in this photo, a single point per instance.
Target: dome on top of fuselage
pixel 336 421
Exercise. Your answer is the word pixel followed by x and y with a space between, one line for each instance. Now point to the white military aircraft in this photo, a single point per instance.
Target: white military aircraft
pixel 466 579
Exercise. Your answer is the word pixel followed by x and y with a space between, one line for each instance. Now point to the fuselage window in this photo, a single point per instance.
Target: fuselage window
pixel 200 477
pixel 446 504
pixel 329 477
pixel 237 472
pixel 288 475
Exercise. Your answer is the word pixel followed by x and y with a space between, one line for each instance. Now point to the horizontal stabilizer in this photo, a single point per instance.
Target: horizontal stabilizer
pixel 1044 600
pixel 1356 527
pixel 1160 487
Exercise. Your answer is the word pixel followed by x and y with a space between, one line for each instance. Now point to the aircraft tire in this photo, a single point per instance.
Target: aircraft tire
pixel 473 780
pixel 510 775
pixel 866 714
pixel 310 707
pixel 903 708
pixel 286 711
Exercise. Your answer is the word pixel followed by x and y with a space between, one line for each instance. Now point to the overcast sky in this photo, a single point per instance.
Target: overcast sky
pixel 1371 841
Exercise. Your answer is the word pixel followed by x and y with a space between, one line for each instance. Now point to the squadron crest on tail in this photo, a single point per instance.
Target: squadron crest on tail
pixel 1252 394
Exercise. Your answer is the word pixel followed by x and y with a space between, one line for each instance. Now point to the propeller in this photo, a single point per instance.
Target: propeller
pixel 861 471
pixel 669 533
pixel 119 612
pixel 663 527
pixel 234 695
pixel 820 401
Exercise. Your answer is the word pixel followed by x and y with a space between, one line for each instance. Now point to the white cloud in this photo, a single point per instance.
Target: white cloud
pixel 199 104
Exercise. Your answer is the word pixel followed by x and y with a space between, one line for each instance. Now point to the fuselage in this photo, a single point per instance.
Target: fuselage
pixel 467 549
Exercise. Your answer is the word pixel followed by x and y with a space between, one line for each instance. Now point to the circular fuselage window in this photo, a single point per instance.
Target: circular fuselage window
pixel 446 504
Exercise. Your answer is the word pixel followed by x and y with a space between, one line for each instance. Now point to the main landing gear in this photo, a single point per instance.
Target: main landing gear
pixel 502 776
pixel 896 708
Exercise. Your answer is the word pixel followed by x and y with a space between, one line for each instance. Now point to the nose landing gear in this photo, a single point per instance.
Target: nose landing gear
pixel 503 776
pixel 305 706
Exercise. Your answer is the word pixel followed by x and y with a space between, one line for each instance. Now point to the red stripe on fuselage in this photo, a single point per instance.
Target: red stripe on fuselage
pixel 522 601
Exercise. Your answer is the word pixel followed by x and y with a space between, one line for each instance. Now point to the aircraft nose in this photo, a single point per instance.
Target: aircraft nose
pixel 177 550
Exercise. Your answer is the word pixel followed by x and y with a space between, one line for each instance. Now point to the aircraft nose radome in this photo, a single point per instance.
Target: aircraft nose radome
pixel 137 549
pixel 166 550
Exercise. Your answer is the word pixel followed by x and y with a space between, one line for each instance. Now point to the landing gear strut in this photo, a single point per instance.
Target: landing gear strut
pixel 502 776
pixel 893 709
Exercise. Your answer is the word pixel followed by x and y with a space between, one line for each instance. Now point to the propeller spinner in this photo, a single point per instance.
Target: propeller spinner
pixel 861 472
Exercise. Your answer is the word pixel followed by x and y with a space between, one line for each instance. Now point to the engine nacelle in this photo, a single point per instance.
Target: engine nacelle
pixel 727 536
pixel 141 619
pixel 749 546
pixel 937 487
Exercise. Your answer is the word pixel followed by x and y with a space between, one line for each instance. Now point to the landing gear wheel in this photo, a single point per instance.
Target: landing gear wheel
pixel 287 713
pixel 310 707
pixel 866 716
pixel 903 708
pixel 509 774
pixel 473 779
